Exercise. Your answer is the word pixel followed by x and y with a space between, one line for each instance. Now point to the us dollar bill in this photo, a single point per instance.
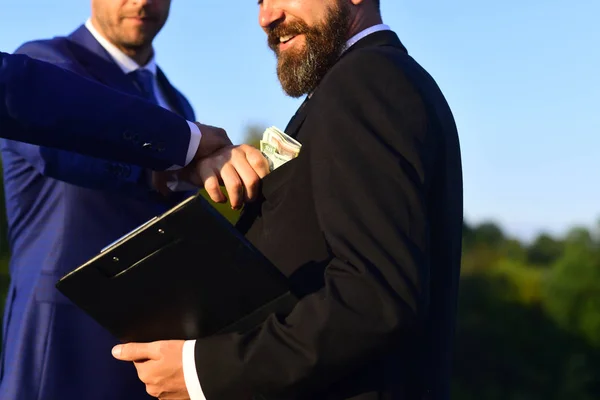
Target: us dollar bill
pixel 278 147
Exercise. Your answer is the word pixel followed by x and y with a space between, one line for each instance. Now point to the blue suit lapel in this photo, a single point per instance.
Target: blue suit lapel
pixel 175 99
pixel 99 64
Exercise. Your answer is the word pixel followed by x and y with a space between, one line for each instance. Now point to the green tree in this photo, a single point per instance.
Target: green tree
pixel 545 250
pixel 572 289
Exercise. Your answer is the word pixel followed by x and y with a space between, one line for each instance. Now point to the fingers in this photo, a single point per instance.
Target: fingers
pixel 233 185
pixel 238 168
pixel 209 179
pixel 136 351
pixel 249 180
pixel 257 161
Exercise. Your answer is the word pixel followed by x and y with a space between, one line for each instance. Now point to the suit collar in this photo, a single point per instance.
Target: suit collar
pixel 99 63
pixel 377 38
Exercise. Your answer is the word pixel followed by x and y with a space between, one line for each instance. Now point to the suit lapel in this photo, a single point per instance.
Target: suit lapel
pixel 97 62
pixel 173 97
pixel 297 119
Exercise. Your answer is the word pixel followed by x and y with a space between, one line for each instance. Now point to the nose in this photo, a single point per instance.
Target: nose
pixel 269 13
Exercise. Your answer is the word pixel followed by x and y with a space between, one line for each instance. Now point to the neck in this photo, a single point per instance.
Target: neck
pixel 363 21
pixel 140 55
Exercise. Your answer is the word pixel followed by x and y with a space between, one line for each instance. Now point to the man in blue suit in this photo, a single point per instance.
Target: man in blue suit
pixel 63 208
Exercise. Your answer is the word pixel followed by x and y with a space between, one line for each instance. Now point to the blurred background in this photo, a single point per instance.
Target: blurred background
pixel 522 80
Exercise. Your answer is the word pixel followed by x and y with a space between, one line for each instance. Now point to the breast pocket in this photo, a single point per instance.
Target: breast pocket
pixel 275 183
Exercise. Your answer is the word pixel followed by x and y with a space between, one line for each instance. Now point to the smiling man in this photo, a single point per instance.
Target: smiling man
pixel 366 222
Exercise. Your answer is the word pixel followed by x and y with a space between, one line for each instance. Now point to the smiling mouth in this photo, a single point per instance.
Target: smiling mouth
pixel 287 38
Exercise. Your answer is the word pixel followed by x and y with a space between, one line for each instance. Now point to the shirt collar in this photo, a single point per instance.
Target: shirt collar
pixel 126 63
pixel 366 32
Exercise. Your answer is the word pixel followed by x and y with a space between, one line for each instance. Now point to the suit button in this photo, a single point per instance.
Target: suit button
pixel 127 135
pixel 147 145
pixel 160 147
pixel 111 168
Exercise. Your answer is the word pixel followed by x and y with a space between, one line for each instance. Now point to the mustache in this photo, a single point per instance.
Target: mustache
pixel 290 29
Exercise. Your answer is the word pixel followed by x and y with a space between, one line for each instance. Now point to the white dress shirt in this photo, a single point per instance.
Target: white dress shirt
pixel 128 65
pixel 189 359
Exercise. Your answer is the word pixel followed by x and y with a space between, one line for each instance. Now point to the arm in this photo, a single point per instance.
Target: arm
pixel 372 159
pixel 75 168
pixel 46 105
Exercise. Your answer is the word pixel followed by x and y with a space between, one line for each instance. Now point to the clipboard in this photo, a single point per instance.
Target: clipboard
pixel 185 274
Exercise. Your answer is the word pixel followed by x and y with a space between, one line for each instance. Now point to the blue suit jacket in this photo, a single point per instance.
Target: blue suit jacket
pixel 46 105
pixel 62 209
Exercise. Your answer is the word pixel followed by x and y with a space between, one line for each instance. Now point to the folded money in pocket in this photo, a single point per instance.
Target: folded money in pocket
pixel 278 148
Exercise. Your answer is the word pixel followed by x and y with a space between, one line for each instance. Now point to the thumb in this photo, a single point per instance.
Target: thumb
pixel 131 352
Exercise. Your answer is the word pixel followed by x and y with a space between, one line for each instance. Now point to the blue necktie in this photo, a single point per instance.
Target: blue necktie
pixel 145 82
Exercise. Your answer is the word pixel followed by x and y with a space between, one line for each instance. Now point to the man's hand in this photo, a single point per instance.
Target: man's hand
pixel 212 139
pixel 238 168
pixel 159 365
pixel 217 162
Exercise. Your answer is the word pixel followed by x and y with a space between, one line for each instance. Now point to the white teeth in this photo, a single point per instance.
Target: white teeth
pixel 284 39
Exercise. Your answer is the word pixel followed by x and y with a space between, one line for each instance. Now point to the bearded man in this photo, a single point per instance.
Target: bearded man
pixel 366 223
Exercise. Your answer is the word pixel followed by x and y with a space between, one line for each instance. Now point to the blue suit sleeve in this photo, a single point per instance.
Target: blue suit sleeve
pixel 50 106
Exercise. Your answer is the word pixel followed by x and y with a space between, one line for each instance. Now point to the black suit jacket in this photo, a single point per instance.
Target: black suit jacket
pixel 366 223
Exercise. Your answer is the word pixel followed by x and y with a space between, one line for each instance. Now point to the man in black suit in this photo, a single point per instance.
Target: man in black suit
pixel 366 223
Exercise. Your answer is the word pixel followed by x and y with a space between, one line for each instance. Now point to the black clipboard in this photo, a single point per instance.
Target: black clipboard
pixel 185 274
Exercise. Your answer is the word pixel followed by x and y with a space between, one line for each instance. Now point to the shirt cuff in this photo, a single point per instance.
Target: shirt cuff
pixel 195 136
pixel 192 383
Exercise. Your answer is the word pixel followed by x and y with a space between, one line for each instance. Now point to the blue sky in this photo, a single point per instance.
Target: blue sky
pixel 522 78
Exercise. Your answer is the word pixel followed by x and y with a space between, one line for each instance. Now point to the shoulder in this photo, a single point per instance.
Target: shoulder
pixel 375 85
pixel 375 65
pixel 54 50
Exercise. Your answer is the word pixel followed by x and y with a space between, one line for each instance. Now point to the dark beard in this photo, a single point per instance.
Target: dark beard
pixel 300 71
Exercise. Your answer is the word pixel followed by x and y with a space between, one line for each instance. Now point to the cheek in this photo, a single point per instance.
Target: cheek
pixel 309 11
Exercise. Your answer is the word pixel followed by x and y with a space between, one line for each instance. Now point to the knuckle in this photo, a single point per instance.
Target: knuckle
pixel 237 151
pixel 256 160
pixel 211 185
